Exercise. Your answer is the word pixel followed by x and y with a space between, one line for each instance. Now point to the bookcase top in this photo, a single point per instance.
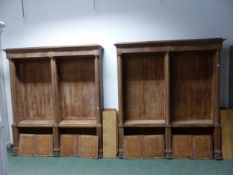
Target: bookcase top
pixel 170 45
pixel 53 51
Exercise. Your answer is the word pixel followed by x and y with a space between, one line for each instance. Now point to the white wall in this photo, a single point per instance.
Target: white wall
pixel 70 22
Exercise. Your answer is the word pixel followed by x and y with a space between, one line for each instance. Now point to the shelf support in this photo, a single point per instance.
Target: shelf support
pixel 217 128
pixel 168 138
pixel 120 110
pixel 98 106
pixel 167 88
pixel 56 149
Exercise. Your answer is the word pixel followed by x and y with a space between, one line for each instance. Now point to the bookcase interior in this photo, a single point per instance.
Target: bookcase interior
pixel 77 88
pixel 143 88
pixel 33 92
pixel 191 92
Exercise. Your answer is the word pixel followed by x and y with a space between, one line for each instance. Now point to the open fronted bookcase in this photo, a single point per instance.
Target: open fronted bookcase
pixel 57 96
pixel 169 92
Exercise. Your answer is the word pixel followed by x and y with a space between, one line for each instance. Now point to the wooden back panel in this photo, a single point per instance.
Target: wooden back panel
pixel 33 92
pixel 110 133
pixel 227 133
pixel 191 86
pixel 143 81
pixel 77 88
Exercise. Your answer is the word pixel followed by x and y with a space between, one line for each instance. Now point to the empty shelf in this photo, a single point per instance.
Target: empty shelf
pixel 78 123
pixel 36 123
pixel 142 123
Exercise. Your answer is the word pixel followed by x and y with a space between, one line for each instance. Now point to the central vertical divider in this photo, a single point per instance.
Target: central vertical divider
pixel 54 77
pixel 168 139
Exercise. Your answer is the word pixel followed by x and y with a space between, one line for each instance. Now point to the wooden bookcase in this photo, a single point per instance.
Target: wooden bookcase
pixel 169 90
pixel 56 92
pixel 231 77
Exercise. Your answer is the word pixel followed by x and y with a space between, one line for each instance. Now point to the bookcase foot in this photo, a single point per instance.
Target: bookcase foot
pixel 168 154
pixel 56 152
pixel 218 155
pixel 120 154
pixel 100 154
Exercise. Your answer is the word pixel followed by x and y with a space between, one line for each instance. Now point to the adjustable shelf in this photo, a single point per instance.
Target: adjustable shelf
pixel 169 85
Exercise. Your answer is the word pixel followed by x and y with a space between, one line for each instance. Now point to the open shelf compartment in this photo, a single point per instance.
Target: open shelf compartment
pixel 191 91
pixel 143 89
pixel 33 92
pixel 77 94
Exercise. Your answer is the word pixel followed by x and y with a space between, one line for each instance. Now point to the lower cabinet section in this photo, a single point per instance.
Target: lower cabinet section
pixel 143 146
pixel 88 146
pixel 153 146
pixel 192 146
pixel 79 145
pixel 182 146
pixel 35 144
pixel 69 145
pixel 202 147
pixel 26 144
pixel 43 145
pixel 132 147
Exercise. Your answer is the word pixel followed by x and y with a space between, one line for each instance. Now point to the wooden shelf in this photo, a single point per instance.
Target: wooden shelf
pixel 144 123
pixel 36 123
pixel 78 123
pixel 193 123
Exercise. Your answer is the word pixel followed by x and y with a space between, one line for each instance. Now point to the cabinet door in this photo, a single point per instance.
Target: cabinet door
pixel 132 147
pixel 182 146
pixel 88 146
pixel 69 145
pixel 202 147
pixel 153 146
pixel 43 145
pixel 26 144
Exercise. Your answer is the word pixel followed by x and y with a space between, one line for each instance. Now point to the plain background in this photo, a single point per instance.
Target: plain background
pixel 105 22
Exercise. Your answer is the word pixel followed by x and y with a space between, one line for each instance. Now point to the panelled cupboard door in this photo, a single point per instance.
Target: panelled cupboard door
pixel 202 147
pixel 143 146
pixel 132 147
pixel 182 146
pixel 43 145
pixel 26 144
pixel 88 146
pixel 192 146
pixel 69 145
pixel 153 146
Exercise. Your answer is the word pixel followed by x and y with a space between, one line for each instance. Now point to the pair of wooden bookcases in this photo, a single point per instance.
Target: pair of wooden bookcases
pixel 168 99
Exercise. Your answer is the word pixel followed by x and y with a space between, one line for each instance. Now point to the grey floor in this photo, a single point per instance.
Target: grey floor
pixel 19 165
